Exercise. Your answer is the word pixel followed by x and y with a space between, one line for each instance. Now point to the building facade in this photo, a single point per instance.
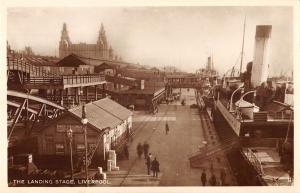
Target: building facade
pixel 108 127
pixel 100 50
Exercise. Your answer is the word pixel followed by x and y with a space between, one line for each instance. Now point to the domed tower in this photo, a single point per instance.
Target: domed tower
pixel 65 42
pixel 102 43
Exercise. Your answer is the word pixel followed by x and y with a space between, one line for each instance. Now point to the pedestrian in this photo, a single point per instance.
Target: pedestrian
pixel 291 175
pixel 167 128
pixel 139 150
pixel 126 152
pixel 213 180
pixel 155 167
pixel 148 163
pixel 222 176
pixel 145 149
pixel 203 178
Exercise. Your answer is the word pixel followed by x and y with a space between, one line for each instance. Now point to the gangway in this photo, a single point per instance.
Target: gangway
pixel 206 153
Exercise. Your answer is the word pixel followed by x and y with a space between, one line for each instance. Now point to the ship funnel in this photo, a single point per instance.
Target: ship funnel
pixel 260 68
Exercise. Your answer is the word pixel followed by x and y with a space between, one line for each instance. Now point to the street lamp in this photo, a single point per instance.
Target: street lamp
pixel 84 122
pixel 231 98
pixel 70 137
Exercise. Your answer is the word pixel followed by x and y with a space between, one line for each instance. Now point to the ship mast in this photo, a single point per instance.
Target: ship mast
pixel 242 54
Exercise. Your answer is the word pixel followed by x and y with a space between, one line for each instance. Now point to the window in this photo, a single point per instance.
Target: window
pixel 59 149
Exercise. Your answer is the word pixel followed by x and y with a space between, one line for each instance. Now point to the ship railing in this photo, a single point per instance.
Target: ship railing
pixel 254 161
pixel 279 116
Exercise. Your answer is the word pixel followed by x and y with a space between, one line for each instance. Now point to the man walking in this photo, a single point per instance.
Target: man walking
pixel 213 180
pixel 139 150
pixel 155 167
pixel 146 149
pixel 126 152
pixel 148 163
pixel 167 128
pixel 203 178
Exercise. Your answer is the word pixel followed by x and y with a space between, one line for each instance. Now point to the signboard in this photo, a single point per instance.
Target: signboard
pixel 62 128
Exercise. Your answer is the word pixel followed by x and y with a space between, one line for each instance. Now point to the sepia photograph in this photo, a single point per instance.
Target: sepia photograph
pixel 144 96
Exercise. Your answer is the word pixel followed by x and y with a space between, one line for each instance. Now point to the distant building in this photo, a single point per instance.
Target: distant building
pixel 28 51
pixel 100 50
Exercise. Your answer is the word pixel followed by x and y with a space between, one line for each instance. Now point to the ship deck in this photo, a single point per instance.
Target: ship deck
pixel 267 160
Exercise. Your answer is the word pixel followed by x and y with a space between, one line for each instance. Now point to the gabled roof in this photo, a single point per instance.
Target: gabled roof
pixel 103 113
pixel 104 66
pixel 71 60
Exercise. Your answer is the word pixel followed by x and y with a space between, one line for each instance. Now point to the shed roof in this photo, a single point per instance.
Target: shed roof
pixel 71 60
pixel 103 113
pixel 113 108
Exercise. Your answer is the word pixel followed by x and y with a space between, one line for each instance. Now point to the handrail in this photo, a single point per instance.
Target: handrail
pixel 254 160
pixel 24 66
pixel 65 79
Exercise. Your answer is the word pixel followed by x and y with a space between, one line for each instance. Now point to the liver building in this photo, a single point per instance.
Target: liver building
pixel 100 50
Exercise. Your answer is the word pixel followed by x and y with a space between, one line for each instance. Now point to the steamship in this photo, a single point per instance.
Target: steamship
pixel 257 112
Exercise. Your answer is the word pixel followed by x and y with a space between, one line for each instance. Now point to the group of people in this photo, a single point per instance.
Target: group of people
pixel 213 179
pixel 152 164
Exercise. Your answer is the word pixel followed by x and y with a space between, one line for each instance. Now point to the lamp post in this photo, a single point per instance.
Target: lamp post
pixel 70 137
pixel 231 98
pixel 84 122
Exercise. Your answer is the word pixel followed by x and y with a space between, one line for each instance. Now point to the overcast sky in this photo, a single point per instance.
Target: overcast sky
pixel 159 36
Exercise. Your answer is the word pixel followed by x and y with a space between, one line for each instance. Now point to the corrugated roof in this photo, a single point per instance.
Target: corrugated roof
pixel 113 108
pixel 103 113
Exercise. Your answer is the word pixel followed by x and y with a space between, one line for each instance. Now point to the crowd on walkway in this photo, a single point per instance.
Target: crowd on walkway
pixel 151 164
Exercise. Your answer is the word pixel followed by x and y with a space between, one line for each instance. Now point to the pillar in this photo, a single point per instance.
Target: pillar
pixel 61 97
pixel 96 92
pixel 260 68
pixel 76 95
pixel 86 94
pixel 79 95
pixel 103 91
pixel 67 96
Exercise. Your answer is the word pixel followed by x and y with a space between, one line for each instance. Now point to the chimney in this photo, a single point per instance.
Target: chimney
pixel 260 68
pixel 209 63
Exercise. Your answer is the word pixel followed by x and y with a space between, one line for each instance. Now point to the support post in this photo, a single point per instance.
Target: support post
pixel 96 92
pixel 86 94
pixel 76 95
pixel 37 117
pixel 20 109
pixel 61 97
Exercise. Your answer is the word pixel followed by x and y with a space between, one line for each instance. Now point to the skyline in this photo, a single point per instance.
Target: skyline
pixel 160 36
